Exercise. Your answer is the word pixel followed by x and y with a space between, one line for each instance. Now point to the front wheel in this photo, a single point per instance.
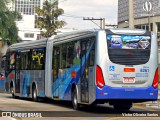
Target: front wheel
pixel 75 100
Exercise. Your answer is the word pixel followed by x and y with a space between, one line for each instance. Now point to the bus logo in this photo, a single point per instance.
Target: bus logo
pixel 111 68
pixel 144 43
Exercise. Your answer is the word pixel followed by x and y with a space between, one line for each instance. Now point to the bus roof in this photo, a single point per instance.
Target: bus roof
pixel 72 36
pixel 27 44
pixel 56 38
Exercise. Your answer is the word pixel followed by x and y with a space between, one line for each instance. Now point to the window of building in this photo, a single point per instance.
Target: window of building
pixel 39 36
pixel 29 35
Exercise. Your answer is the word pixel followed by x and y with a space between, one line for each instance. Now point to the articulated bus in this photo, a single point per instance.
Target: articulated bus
pixel 84 68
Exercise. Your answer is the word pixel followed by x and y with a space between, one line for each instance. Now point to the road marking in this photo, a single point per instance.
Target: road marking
pixel 140 107
pixel 7 118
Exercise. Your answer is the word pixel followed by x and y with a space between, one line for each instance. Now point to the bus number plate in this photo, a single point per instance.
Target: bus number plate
pixel 128 80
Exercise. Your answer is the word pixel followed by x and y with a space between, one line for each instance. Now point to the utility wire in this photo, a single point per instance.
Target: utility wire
pixel 72 16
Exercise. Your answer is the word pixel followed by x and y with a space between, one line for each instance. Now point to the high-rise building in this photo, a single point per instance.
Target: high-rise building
pixel 27 6
pixel 146 14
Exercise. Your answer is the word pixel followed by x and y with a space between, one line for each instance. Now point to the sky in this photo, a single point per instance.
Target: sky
pixel 75 10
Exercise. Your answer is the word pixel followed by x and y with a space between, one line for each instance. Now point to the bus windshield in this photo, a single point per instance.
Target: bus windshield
pixel 131 49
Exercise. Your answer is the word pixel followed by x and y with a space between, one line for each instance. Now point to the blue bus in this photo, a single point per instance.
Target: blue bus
pixel 82 67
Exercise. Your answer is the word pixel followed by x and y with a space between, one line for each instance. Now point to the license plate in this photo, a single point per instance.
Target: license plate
pixel 128 80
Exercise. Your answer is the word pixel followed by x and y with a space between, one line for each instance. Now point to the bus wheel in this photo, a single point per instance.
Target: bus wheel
pixel 75 100
pixel 12 91
pixel 34 94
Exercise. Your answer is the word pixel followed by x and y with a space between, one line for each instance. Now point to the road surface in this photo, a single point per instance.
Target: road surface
pixel 21 109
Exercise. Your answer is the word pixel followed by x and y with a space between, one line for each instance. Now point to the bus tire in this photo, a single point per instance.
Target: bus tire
pixel 12 91
pixel 75 100
pixel 34 94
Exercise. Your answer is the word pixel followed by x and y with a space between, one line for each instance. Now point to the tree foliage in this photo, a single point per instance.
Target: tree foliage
pixel 47 18
pixel 8 29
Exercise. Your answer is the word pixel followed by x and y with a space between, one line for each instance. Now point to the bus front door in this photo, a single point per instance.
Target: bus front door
pixel 17 74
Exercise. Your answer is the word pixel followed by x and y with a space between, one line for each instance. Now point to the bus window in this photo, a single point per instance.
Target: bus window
pixel 12 61
pixel 38 60
pixel 92 55
pixel 63 56
pixel 7 64
pixel 25 60
pixel 70 54
pixel 56 61
pixel 77 53
pixel 18 64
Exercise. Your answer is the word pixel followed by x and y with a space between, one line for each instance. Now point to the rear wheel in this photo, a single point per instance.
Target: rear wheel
pixel 34 94
pixel 75 100
pixel 12 91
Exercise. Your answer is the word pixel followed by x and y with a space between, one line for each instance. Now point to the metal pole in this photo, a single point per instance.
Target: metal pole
pixel 101 23
pixel 104 23
pixel 149 21
pixel 131 14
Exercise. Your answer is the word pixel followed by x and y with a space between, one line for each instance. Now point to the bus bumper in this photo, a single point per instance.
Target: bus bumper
pixel 146 94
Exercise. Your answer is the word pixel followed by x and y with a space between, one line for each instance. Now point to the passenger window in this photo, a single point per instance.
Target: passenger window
pixel 12 61
pixel 56 61
pixel 38 59
pixel 63 56
pixel 25 65
pixel 70 54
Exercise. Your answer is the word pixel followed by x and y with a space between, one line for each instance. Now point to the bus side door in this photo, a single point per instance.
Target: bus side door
pixel 56 66
pixel 17 73
pixel 87 73
pixel 84 73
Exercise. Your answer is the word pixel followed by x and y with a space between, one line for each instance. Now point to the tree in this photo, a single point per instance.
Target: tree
pixel 47 18
pixel 8 29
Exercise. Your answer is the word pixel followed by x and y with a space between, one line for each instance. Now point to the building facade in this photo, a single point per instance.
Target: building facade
pixel 146 14
pixel 26 26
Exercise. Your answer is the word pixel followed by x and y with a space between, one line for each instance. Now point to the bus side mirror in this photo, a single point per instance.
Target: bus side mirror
pixel 3 62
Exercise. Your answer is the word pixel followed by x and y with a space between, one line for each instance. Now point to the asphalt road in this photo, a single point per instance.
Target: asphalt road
pixel 21 109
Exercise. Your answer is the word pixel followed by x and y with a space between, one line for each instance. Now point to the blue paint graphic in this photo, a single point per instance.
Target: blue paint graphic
pixel 61 86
